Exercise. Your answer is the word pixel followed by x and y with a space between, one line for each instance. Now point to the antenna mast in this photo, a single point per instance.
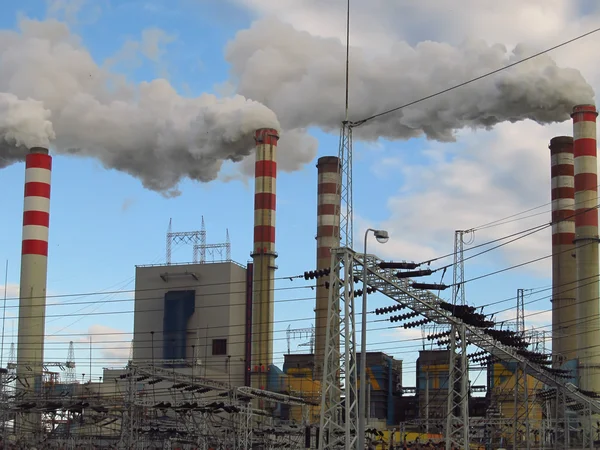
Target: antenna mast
pixel 345 156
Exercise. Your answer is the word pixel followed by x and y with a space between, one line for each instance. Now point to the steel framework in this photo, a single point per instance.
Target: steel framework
pixel 339 399
pixel 457 413
pixel 340 364
pixel 194 238
pixel 216 252
pixel 346 208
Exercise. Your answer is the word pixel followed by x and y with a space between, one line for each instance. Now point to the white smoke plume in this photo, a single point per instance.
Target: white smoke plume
pixel 301 78
pixel 23 124
pixel 284 78
pixel 148 131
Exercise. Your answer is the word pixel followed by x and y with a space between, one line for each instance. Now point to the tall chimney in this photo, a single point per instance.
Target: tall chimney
pixel 34 265
pixel 564 275
pixel 586 245
pixel 328 237
pixel 263 254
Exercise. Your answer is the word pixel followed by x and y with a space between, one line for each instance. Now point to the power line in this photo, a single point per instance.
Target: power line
pixel 124 291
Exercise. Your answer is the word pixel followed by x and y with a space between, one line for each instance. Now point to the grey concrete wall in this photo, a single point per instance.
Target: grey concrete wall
pixel 220 295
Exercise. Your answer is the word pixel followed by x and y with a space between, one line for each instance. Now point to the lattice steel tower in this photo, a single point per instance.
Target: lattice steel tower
pixel 339 396
pixel 70 375
pixel 457 414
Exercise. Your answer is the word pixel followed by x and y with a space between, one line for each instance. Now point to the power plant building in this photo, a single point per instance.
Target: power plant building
pixel 192 314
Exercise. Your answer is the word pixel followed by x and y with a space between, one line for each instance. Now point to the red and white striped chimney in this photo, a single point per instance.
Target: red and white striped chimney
pixel 586 245
pixel 564 277
pixel 34 265
pixel 263 254
pixel 328 237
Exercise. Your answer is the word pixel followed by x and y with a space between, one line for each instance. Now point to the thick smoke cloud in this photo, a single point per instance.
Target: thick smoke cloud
pixel 23 124
pixel 51 90
pixel 148 131
pixel 300 77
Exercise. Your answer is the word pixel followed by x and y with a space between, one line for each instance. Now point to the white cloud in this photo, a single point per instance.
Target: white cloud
pixel 152 45
pixel 12 290
pixel 75 11
pixel 113 344
pixel 380 23
pixel 534 319
pixel 482 177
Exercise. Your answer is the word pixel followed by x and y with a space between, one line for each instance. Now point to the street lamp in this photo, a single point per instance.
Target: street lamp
pixel 382 237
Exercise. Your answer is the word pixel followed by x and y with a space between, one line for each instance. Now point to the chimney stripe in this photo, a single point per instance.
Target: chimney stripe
pixel 265 184
pixel 264 200
pixel 34 247
pixel 563 193
pixel 39 218
pixel 562 170
pixel 327 208
pixel 563 239
pixel 562 181
pixel 38 175
pixel 565 203
pixel 328 177
pixel 36 204
pixel 264 234
pixel 565 226
pixel 265 168
pixel 586 182
pixel 587 147
pixel 38 160
pixel 35 233
pixel 579 117
pixel 563 215
pixel 329 230
pixel 586 218
pixel 35 189
pixel 328 220
pixel 327 188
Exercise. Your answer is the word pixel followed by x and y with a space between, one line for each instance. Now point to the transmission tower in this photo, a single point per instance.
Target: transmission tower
pixel 308 333
pixel 346 212
pixel 213 252
pixel 521 311
pixel 339 399
pixel 11 364
pixel 70 375
pixel 194 238
pixel 345 156
pixel 457 415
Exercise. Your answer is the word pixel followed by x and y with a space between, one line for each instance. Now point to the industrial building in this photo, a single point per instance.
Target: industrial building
pixel 192 315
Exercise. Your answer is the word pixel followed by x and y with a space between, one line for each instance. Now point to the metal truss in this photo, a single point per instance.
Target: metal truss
pixel 457 414
pixel 349 265
pixel 177 377
pixel 346 210
pixel 215 252
pixel 339 399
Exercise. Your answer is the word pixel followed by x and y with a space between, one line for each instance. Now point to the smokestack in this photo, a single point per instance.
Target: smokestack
pixel 34 264
pixel 586 245
pixel 564 275
pixel 263 254
pixel 328 237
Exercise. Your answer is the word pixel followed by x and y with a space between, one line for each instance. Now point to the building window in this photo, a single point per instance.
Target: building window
pixel 219 347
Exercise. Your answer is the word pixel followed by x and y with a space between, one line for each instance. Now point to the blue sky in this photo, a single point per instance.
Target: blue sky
pixel 104 222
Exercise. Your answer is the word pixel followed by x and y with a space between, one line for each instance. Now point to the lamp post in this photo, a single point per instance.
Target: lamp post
pixel 382 237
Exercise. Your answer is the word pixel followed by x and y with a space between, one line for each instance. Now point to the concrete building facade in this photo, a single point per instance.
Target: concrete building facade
pixel 192 314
